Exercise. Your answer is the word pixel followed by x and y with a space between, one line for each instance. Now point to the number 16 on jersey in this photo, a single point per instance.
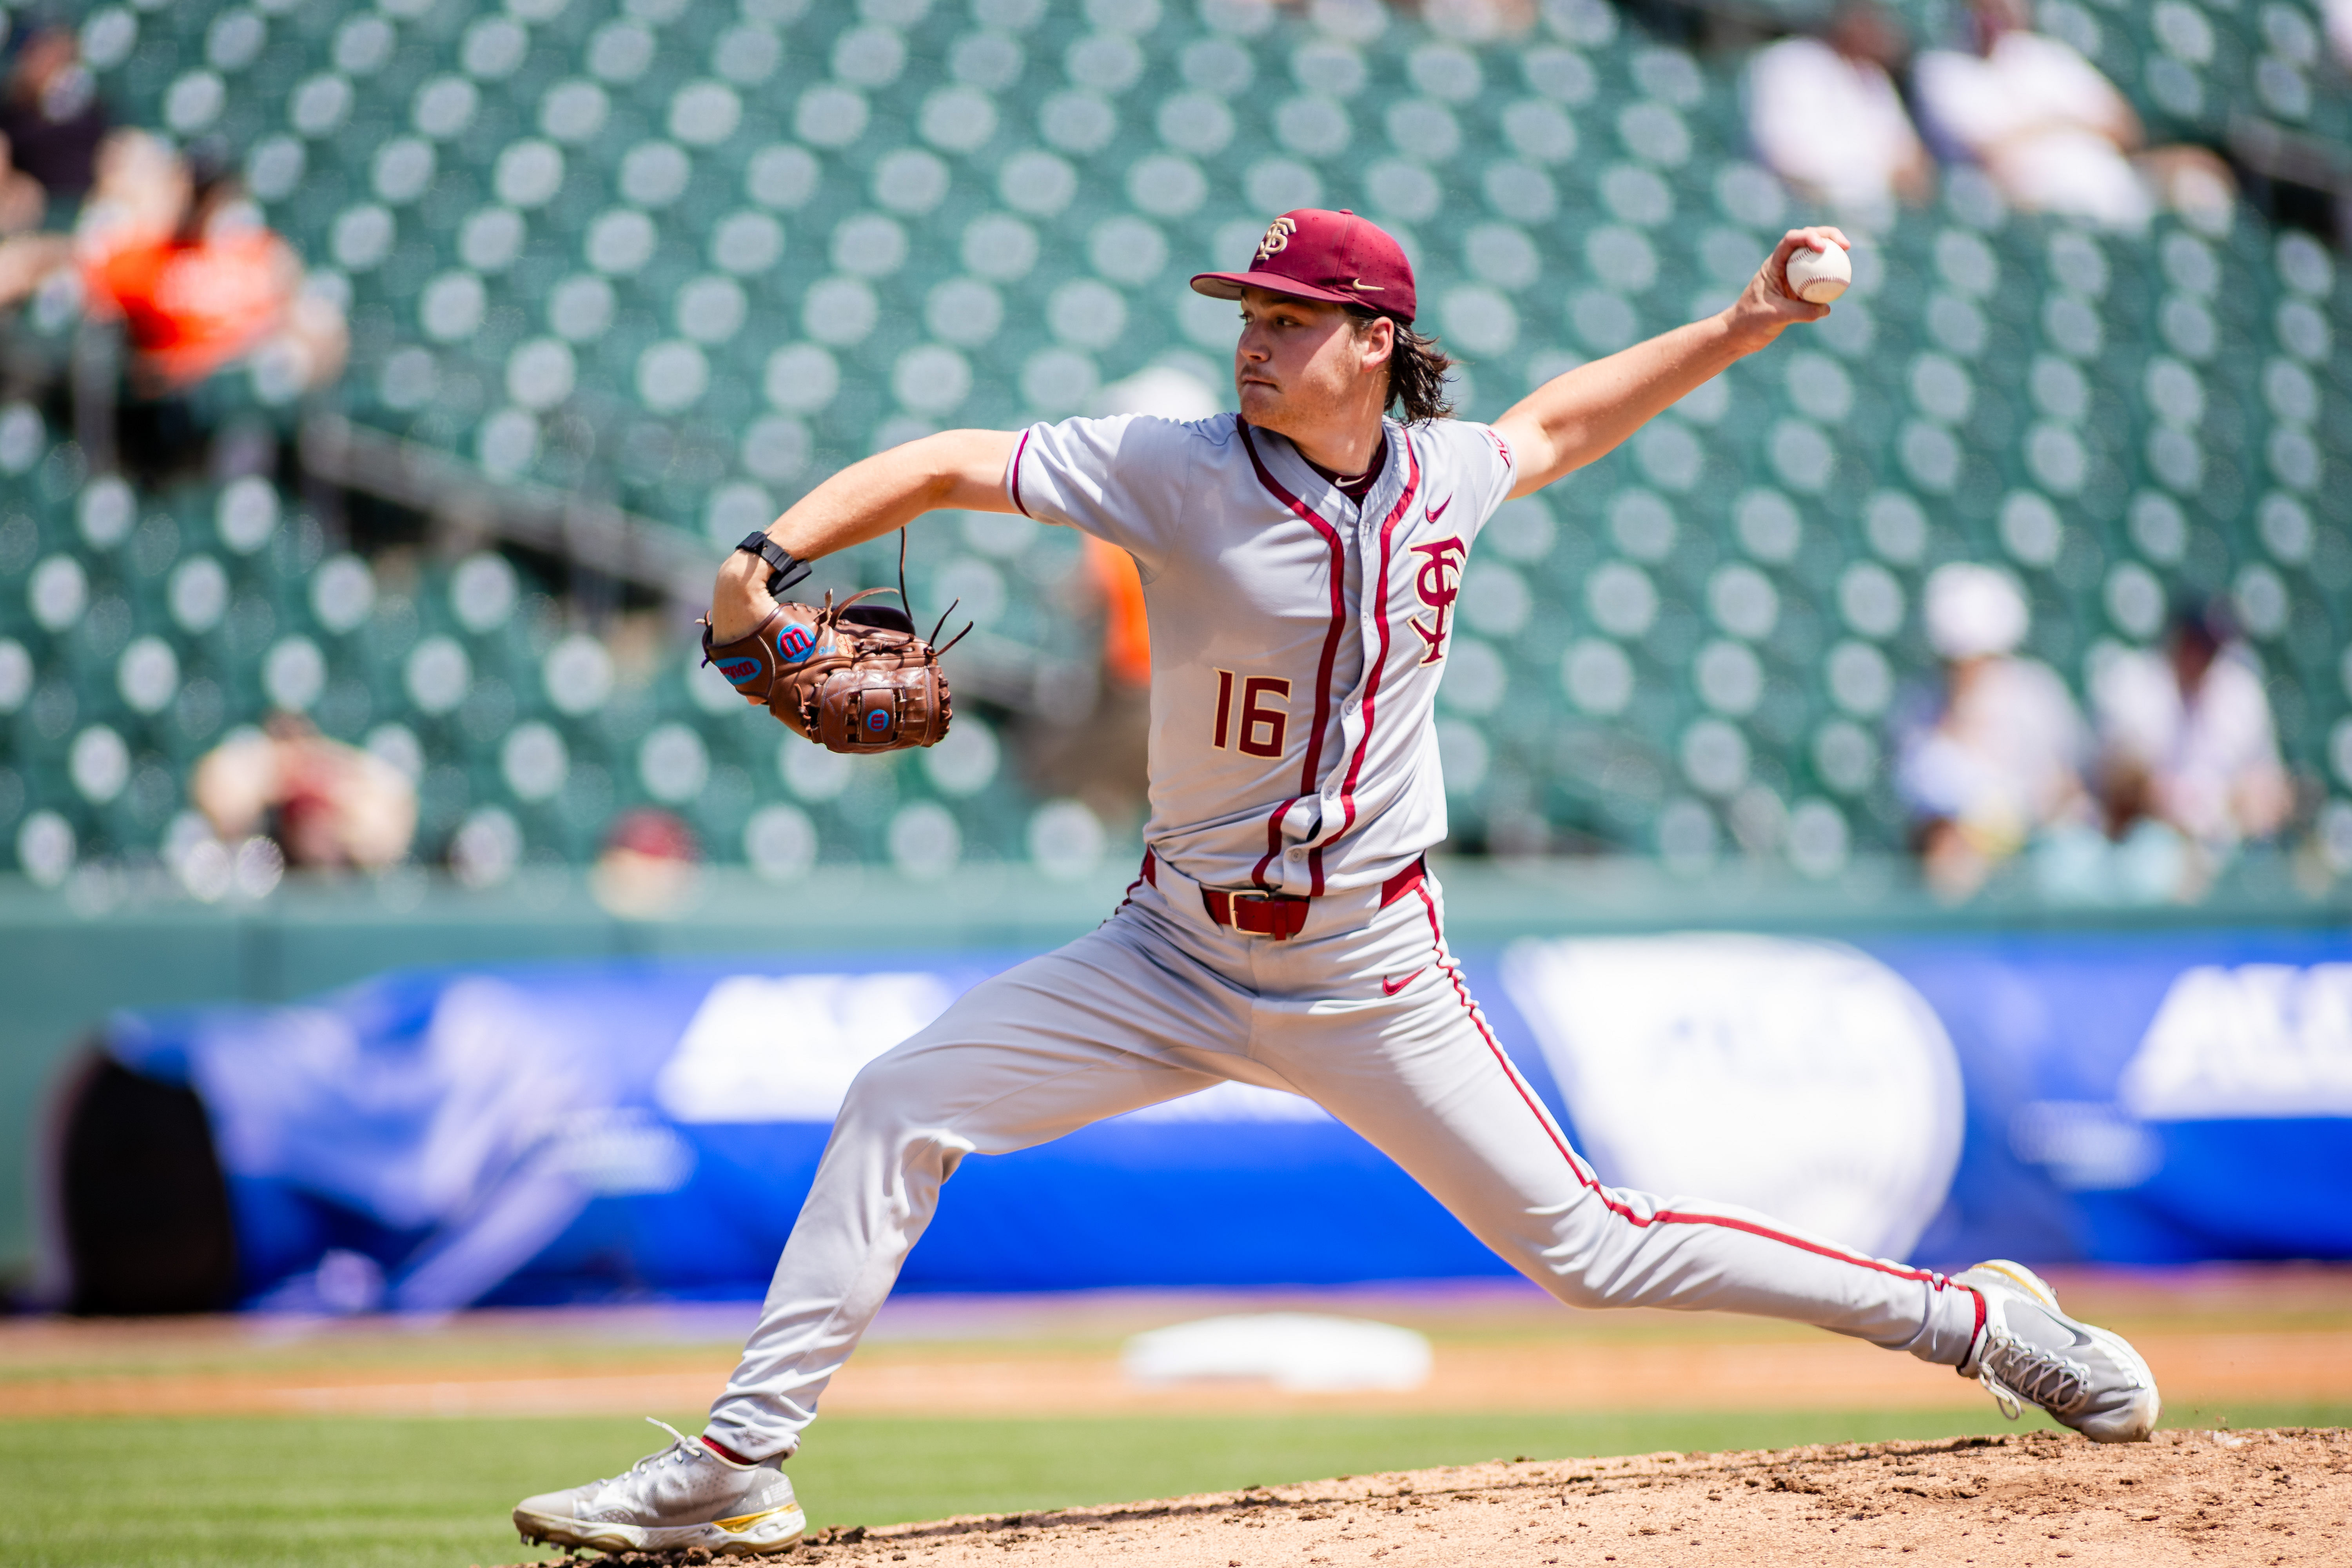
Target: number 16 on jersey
pixel 1257 729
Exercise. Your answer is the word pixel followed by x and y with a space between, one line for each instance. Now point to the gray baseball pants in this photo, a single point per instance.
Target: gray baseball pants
pixel 1365 1013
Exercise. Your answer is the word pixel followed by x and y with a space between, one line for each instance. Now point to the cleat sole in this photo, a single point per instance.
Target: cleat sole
pixel 772 1530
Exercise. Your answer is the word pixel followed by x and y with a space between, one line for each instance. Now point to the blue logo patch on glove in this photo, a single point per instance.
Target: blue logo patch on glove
pixel 795 643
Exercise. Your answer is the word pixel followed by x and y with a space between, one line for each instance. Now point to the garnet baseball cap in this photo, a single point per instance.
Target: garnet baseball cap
pixel 1330 256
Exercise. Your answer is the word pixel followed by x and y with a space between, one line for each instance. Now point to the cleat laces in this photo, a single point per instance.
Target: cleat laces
pixel 681 1449
pixel 680 1438
pixel 2012 1371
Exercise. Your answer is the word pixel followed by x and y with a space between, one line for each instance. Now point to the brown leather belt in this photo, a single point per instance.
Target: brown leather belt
pixel 1280 916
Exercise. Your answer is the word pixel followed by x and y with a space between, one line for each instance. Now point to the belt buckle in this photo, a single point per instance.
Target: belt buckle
pixel 1278 923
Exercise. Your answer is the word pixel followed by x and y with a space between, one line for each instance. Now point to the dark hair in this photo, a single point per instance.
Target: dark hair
pixel 212 180
pixel 2209 623
pixel 1417 368
pixel 211 166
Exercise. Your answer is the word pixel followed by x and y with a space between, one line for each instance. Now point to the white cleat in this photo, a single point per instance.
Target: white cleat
pixel 2029 1352
pixel 685 1496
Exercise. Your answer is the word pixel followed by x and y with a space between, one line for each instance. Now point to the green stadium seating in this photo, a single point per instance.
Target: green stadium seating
pixel 687 257
pixel 149 627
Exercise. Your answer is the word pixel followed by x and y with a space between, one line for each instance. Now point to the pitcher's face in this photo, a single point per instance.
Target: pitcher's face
pixel 1300 364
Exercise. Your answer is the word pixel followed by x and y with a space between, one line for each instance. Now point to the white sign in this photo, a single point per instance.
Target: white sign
pixel 2261 1039
pixel 1802 1078
pixel 783 1047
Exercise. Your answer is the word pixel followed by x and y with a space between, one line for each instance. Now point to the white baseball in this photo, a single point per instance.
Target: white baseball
pixel 1818 277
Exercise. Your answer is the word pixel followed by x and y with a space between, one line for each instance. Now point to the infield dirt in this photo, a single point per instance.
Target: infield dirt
pixel 2272 1498
pixel 2280 1336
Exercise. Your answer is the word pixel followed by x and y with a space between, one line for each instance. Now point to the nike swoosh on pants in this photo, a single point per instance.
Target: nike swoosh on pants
pixel 1390 987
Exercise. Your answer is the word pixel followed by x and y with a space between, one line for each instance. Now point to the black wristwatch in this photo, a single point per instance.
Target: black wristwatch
pixel 785 568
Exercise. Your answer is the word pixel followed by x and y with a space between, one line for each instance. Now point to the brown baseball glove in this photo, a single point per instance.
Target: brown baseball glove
pixel 851 676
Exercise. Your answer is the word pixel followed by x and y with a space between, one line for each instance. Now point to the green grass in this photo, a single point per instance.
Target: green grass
pixel 258 1492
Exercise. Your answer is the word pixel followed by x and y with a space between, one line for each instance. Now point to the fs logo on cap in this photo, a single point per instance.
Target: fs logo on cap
pixel 1276 240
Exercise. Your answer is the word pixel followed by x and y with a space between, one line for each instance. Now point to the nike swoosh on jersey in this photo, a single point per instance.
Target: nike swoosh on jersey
pixel 1390 987
pixel 1438 510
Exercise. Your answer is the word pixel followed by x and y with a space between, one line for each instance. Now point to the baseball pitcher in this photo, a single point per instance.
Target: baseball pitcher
pixel 1301 561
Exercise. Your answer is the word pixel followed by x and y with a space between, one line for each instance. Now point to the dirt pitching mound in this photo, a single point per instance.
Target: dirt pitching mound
pixel 2238 1497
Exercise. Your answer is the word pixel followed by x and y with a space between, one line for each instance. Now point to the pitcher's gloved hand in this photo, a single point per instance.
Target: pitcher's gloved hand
pixel 852 677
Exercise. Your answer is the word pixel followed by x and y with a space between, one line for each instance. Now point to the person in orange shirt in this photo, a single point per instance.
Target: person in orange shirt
pixel 1127 632
pixel 197 279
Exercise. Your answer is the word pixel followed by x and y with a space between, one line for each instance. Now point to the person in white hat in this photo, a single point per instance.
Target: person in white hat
pixel 2186 742
pixel 2002 759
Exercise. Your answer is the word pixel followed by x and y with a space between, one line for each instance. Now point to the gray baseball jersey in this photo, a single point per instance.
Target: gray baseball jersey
pixel 1298 638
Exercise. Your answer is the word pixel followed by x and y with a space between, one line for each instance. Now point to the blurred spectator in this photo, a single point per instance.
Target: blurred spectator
pixel 647 866
pixel 1825 116
pixel 26 259
pixel 1165 392
pixel 198 281
pixel 51 124
pixel 2054 134
pixel 324 804
pixel 1127 627
pixel 51 115
pixel 2001 762
pixel 22 200
pixel 1097 749
pixel 1473 19
pixel 2185 737
pixel 138 195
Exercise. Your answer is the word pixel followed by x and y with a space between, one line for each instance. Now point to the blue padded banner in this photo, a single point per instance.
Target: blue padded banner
pixel 562 1131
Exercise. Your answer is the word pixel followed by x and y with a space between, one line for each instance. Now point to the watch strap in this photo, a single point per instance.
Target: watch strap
pixel 784 567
